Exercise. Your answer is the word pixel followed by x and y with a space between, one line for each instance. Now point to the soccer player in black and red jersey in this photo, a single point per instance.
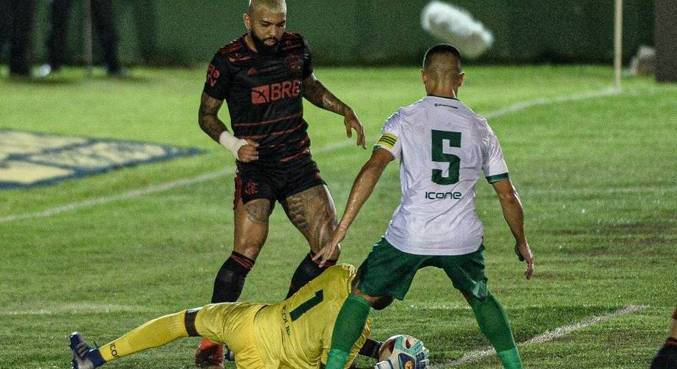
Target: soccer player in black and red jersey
pixel 263 76
pixel 666 358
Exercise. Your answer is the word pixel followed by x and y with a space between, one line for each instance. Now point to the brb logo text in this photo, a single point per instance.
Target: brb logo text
pixel 266 94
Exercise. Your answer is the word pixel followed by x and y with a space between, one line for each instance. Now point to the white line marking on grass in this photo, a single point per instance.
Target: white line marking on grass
pixel 123 196
pixel 81 308
pixel 609 190
pixel 475 356
pixel 543 101
pixel 163 187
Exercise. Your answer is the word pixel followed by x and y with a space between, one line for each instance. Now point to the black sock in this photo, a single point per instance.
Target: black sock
pixel 306 272
pixel 370 348
pixel 230 278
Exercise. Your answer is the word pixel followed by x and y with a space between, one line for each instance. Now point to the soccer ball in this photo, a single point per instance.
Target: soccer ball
pixel 402 352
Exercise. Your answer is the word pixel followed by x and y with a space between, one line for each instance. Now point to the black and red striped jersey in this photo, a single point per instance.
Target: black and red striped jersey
pixel 264 94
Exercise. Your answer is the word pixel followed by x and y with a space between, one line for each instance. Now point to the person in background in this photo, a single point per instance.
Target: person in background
pixel 16 27
pixel 103 18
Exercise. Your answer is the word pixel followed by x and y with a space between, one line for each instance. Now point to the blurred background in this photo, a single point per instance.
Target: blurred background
pixel 115 207
pixel 359 32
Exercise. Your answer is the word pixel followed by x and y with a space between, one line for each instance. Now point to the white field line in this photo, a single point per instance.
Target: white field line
pixel 123 196
pixel 163 187
pixel 607 190
pixel 556 100
pixel 82 308
pixel 168 186
pixel 548 336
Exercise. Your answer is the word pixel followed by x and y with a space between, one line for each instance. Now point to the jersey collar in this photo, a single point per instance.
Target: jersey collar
pixel 443 97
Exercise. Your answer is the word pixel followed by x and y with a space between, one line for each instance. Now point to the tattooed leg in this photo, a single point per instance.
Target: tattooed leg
pixel 314 214
pixel 251 227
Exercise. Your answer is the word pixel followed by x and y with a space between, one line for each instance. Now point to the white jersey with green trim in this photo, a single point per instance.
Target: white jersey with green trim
pixel 444 148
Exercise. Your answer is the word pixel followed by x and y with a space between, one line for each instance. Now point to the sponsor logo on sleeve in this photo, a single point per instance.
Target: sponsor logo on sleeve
pixel 213 75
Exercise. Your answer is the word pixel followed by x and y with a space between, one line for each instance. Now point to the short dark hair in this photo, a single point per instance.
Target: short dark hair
pixel 272 4
pixel 440 49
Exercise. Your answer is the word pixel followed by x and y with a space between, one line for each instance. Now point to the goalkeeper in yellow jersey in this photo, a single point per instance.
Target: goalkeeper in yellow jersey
pixel 294 334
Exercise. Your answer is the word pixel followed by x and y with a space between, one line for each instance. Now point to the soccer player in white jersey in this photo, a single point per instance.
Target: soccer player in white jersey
pixel 444 149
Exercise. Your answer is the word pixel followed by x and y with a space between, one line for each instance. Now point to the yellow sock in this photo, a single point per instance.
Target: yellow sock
pixel 154 333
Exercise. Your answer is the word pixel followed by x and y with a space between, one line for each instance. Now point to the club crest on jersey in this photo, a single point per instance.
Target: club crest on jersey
pixel 251 188
pixel 276 91
pixel 294 62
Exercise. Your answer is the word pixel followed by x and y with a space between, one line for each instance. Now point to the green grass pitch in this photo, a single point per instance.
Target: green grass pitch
pixel 597 177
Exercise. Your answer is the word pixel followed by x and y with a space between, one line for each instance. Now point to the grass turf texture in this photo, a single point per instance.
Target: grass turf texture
pixel 596 177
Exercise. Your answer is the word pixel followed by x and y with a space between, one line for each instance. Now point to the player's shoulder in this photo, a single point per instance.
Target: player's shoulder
pixel 476 120
pixel 467 111
pixel 400 117
pixel 234 51
pixel 292 40
pixel 409 112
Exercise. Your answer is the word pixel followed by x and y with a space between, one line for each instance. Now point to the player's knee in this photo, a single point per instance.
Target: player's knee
pixel 468 296
pixel 376 302
pixel 476 302
pixel 258 211
pixel 382 302
pixel 324 234
pixel 248 248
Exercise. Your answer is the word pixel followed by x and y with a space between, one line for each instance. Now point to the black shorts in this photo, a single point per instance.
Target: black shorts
pixel 275 184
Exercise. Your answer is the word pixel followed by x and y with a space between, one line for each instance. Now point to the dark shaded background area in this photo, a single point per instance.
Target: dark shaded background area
pixel 372 32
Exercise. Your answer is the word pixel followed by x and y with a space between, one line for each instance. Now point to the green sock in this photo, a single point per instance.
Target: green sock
pixel 494 325
pixel 510 359
pixel 348 328
pixel 336 359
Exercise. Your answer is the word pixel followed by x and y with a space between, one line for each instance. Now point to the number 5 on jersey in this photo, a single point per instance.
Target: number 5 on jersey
pixel 454 140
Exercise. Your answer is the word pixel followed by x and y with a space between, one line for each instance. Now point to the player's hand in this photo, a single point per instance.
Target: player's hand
pixel 248 152
pixel 352 122
pixel 523 252
pixel 331 250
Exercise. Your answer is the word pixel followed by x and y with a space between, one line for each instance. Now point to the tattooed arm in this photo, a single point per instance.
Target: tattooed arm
pixel 363 186
pixel 208 117
pixel 315 92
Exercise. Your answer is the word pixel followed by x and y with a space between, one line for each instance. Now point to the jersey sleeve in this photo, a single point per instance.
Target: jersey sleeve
pixel 494 166
pixel 307 60
pixel 218 78
pixel 390 136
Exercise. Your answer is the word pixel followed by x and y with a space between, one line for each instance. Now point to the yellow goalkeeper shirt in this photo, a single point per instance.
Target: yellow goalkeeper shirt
pixel 296 333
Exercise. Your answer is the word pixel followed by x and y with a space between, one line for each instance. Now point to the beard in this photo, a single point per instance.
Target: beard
pixel 262 47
